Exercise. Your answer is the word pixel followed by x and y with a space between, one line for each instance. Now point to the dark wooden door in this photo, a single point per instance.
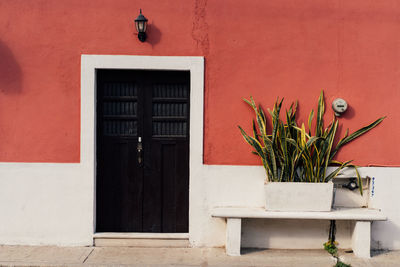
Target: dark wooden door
pixel 142 151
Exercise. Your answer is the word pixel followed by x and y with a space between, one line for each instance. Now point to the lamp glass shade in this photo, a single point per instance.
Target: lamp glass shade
pixel 141 26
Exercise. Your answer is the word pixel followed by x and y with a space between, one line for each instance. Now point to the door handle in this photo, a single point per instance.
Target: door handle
pixel 140 151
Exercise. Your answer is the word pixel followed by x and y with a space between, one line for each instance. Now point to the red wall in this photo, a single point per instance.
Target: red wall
pixel 291 49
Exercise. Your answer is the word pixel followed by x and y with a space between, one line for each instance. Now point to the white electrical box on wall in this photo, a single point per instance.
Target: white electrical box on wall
pixel 339 106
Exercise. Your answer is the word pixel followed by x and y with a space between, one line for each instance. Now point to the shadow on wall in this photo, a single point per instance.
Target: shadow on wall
pixel 153 34
pixel 10 71
pixel 350 113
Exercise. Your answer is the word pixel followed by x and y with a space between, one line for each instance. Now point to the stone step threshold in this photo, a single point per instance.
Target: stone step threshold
pixel 154 240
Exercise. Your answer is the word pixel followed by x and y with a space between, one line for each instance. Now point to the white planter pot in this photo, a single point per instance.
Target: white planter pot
pixel 298 196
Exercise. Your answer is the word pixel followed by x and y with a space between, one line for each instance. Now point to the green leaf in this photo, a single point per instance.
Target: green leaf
pixel 357 133
pixel 275 119
pixel 312 140
pixel 336 172
pixel 271 153
pixel 310 117
pixel 359 181
pixel 330 139
pixel 255 130
pixel 320 114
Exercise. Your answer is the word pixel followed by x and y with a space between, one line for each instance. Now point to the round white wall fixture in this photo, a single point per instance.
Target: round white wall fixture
pixel 339 106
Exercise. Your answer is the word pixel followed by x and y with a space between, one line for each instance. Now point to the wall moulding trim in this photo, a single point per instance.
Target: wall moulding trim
pixel 89 64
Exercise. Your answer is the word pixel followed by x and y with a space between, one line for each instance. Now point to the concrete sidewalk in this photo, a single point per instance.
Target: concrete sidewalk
pixel 129 256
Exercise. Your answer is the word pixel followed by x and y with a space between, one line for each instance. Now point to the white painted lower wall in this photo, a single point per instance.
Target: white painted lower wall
pixel 45 204
pixel 243 186
pixel 53 204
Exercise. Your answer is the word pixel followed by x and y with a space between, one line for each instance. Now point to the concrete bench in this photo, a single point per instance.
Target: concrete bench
pixel 361 238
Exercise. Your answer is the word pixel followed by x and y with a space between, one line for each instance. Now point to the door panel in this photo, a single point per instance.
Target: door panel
pixel 119 180
pixel 151 196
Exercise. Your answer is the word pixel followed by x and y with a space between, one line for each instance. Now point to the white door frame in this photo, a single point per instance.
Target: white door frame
pixel 89 64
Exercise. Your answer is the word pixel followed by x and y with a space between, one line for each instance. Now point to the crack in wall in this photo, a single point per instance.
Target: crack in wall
pixel 200 26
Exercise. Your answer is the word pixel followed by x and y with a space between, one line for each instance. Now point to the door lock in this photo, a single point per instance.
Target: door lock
pixel 140 150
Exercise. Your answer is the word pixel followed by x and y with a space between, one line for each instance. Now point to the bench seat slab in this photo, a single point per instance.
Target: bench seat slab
pixel 352 214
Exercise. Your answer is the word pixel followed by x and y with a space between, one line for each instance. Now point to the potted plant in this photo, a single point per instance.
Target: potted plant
pixel 295 160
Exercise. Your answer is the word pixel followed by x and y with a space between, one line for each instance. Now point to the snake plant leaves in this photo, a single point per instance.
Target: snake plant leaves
pixel 290 153
pixel 356 134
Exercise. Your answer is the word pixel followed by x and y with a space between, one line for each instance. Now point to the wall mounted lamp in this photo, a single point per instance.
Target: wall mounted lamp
pixel 141 26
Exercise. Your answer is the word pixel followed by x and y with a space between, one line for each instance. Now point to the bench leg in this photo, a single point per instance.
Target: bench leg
pixel 361 239
pixel 233 232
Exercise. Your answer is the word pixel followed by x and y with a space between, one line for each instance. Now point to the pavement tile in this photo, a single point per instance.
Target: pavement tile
pixel 44 254
pixel 123 255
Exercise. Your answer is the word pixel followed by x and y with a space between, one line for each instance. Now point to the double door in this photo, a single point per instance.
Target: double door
pixel 142 151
